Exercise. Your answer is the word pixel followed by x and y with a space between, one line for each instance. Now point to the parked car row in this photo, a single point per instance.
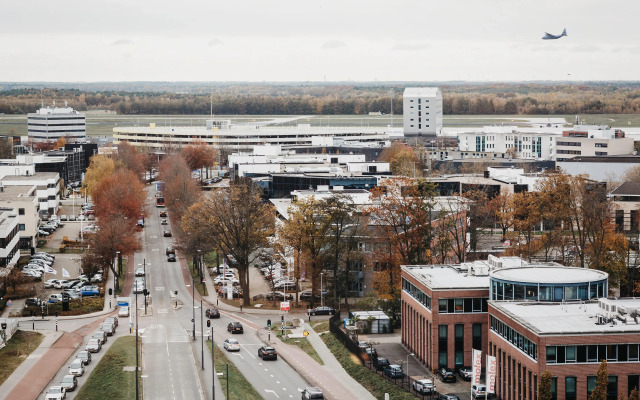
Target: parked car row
pixel 50 227
pixel 39 264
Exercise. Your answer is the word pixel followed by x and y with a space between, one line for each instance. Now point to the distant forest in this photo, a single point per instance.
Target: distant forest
pixel 193 98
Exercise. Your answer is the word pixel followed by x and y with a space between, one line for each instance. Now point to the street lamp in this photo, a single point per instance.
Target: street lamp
pixel 193 308
pixel 137 362
pixel 321 290
pixel 408 377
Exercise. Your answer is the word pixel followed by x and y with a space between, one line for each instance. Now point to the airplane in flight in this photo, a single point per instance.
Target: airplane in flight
pixel 548 36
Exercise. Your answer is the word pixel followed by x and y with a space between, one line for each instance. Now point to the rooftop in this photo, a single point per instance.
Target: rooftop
pixel 568 318
pixel 421 91
pixel 438 277
pixel 626 189
pixel 39 176
pixel 549 274
pixel 17 192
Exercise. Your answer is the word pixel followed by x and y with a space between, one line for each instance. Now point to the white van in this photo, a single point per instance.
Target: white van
pixel 123 311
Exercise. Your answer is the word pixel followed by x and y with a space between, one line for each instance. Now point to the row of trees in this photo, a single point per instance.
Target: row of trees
pixel 463 99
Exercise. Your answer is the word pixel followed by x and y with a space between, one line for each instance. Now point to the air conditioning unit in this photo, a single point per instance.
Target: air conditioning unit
pixel 608 308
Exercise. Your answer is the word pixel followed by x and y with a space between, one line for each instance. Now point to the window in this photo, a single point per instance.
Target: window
pixel 442 346
pixel 21 227
pixel 570 388
pixel 634 383
pixel 570 354
pixel 612 388
pixel 554 388
pixel 477 336
pixel 591 384
pixel 20 211
pixel 459 345
pixel 551 354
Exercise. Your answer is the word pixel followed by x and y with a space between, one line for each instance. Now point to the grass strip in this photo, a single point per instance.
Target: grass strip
pixel 201 287
pixel 371 381
pixel 108 380
pixel 239 387
pixel 18 348
pixel 302 343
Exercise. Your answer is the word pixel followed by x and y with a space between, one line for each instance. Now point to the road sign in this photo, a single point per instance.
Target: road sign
pixel 284 306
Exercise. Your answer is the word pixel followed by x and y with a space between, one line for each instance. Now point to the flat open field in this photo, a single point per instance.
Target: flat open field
pixel 99 124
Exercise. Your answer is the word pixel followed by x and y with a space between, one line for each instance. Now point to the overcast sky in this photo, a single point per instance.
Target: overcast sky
pixel 299 40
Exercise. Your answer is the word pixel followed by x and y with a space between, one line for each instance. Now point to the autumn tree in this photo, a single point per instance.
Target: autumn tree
pixel 235 221
pixel 634 395
pixel 526 217
pixel 199 155
pixel 402 160
pixel 290 238
pixel 544 386
pixel 180 190
pixel 130 158
pixel 14 279
pixel 99 167
pixel 120 194
pixel 500 209
pixel 602 381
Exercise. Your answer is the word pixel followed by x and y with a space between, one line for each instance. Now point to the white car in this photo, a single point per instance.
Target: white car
pixel 224 280
pixel 56 393
pixel 60 284
pixel 232 345
pixel 139 271
pixel 123 311
pixel 478 391
pixel 424 386
pixel 77 367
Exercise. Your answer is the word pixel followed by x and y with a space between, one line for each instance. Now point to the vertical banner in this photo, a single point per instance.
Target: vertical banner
pixel 476 366
pixel 491 374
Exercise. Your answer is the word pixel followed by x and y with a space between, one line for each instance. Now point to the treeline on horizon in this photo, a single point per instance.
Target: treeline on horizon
pixel 326 99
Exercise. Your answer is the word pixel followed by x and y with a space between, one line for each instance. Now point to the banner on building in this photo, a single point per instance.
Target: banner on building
pixel 491 374
pixel 476 367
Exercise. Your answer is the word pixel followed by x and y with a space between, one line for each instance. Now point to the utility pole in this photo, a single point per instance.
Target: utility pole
pixel 193 308
pixel 137 362
pixel 202 334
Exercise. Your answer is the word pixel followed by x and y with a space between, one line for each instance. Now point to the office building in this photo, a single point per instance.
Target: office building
pixel 52 123
pixel 422 111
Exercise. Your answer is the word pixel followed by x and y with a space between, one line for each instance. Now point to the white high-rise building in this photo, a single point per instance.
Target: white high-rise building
pixel 422 109
pixel 52 123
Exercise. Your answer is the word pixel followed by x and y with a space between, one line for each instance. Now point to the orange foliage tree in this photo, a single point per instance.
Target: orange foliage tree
pixel 199 155
pixel 402 160
pixel 120 194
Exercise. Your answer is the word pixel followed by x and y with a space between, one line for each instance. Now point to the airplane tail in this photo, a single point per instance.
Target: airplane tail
pixel 564 32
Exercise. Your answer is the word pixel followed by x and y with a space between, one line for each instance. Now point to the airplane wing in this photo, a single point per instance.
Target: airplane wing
pixel 547 36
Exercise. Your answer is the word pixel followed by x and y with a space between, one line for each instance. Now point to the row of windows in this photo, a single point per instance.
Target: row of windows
pixel 601 153
pixel 54 131
pixel 416 293
pixel 593 353
pixel 577 152
pixel 575 144
pixel 55 117
pixel 602 145
pixel 463 305
pixel 516 339
pixel 56 125
pixel 511 291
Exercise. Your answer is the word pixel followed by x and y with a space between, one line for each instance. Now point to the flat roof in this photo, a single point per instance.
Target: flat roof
pixel 564 319
pixel 549 274
pixel 38 176
pixel 438 277
pixel 17 192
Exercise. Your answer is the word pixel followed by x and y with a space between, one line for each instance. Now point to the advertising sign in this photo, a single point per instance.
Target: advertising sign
pixel 491 374
pixel 284 306
pixel 476 367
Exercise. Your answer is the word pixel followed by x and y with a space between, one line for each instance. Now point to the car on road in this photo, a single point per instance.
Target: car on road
pixel 100 336
pixel 77 367
pixel 278 296
pixel 267 353
pixel 110 329
pixel 478 391
pixel 235 327
pixel 69 383
pixel 163 214
pixel 170 250
pixel 312 393
pixel 163 221
pixel 85 356
pixel 167 233
pixel 381 363
pixel 123 311
pixel 394 371
pixel 231 345
pixel 139 271
pixel 449 396
pixel 171 258
pixel 424 386
pixel 465 373
pixel 322 310
pixel 90 291
pixel 212 313
pixel 33 301
pixel 93 346
pixel 56 393
pixel 446 375
pixel 111 320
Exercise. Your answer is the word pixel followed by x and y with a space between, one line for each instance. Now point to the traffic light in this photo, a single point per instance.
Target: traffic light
pixel 282 318
pixel 145 292
pixel 110 292
pixel 268 323
pixel 208 323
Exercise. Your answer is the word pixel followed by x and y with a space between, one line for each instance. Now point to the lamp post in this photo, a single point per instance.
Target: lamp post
pixel 213 368
pixel 115 276
pixel 408 377
pixel 321 290
pixel 202 334
pixel 137 390
pixel 193 307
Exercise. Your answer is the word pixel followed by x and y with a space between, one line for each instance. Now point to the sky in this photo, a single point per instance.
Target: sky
pixel 347 40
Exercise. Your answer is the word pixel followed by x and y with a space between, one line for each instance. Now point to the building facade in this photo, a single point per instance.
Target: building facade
pixel 9 237
pixel 24 202
pixel 52 123
pixel 422 111
pixel 585 142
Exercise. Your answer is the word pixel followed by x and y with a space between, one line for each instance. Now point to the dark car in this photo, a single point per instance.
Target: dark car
pixel 212 313
pixel 171 258
pixel 371 352
pixel 267 353
pixel 167 234
pixel 449 396
pixel 312 393
pixel 380 363
pixel 394 371
pixel 235 327
pixel 163 214
pixel 447 375
pixel 170 250
pixel 465 373
pixel 33 301
pixel 324 310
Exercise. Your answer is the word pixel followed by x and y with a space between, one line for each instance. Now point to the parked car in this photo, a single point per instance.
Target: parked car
pixel 123 311
pixel 306 295
pixel 235 327
pixel 279 296
pixel 449 396
pixel 69 383
pixel 93 346
pixel 312 393
pixel 465 373
pixel 212 313
pixel 72 294
pixel 478 391
pixel 56 393
pixel 55 298
pixel 167 233
pixel 43 233
pixel 323 310
pixel 371 352
pixel 236 293
pixel 223 280
pixel 63 217
pixel 85 356
pixel 111 320
pixel 285 285
pixel 72 217
pixel 446 375
pixel 394 371
pixel 424 386
pixel 33 301
pixel 380 363
pixel 77 367
pixel 231 345
pixel 267 353
pixel 90 291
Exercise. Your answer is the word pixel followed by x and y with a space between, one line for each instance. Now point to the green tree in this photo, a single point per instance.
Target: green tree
pixel 544 386
pixel 602 380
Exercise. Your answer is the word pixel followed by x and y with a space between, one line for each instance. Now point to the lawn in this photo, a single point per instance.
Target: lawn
pixel 86 305
pixel 374 383
pixel 17 350
pixel 108 376
pixel 302 343
pixel 239 387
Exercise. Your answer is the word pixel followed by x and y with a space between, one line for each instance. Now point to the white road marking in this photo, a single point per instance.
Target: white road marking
pixel 272 391
pixel 155 249
pixel 159 288
pixel 163 311
pixel 239 355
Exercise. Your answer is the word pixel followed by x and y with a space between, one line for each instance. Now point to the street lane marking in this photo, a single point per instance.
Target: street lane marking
pixel 159 288
pixel 155 249
pixel 163 311
pixel 272 391
pixel 239 355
